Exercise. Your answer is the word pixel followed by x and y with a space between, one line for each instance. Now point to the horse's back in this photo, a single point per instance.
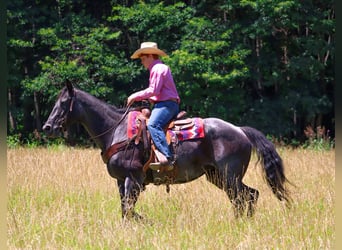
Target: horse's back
pixel 217 128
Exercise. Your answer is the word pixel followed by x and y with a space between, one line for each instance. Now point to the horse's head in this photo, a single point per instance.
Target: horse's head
pixel 59 117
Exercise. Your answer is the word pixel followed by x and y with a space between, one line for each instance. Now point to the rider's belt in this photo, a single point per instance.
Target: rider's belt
pixel 171 99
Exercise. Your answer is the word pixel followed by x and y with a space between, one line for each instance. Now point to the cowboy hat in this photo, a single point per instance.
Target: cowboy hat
pixel 148 48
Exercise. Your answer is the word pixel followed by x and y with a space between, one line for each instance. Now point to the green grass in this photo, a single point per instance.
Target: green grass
pixel 64 199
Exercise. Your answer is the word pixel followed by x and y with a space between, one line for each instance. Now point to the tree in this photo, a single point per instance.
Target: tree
pixel 267 64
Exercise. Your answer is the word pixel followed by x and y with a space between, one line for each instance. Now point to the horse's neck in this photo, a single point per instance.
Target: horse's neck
pixel 100 120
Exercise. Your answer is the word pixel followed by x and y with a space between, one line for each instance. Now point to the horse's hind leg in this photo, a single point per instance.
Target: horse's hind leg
pixel 252 196
pixel 234 189
pixel 240 195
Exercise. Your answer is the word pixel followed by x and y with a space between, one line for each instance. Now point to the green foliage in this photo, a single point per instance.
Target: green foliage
pixel 318 140
pixel 13 141
pixel 154 22
pixel 33 140
pixel 204 75
pixel 267 64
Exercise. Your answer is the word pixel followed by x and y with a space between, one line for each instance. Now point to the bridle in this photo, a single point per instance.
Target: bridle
pixel 63 117
pixel 114 148
pixel 107 130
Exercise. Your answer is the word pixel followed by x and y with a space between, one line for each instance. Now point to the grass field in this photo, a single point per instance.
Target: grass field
pixel 63 198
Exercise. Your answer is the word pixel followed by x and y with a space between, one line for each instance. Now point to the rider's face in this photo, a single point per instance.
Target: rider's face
pixel 146 60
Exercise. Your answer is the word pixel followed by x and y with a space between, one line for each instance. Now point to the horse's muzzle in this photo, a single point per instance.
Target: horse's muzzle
pixel 52 131
pixel 46 127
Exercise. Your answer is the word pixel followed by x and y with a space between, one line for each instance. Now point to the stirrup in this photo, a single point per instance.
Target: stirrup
pixel 157 166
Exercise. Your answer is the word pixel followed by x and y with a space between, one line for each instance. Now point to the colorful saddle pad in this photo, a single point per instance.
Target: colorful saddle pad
pixel 132 124
pixel 194 132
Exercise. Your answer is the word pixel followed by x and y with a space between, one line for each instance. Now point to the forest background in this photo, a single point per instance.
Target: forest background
pixel 268 64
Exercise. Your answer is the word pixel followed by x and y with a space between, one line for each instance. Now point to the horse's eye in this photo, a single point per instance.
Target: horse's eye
pixel 64 103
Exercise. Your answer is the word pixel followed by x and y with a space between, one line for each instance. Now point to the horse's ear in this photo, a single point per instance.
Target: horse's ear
pixel 70 88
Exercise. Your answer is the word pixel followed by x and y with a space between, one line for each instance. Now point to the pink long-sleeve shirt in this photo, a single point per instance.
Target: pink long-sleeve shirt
pixel 161 85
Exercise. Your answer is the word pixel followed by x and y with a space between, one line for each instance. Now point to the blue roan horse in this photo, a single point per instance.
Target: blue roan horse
pixel 222 155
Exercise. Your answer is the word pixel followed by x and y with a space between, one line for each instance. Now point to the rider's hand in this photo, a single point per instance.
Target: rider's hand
pixel 130 100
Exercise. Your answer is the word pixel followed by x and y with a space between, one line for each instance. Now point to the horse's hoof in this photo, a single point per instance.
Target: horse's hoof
pixel 137 217
pixel 132 216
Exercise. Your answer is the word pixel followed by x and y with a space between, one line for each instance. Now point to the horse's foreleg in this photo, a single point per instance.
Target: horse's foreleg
pixel 129 193
pixel 121 186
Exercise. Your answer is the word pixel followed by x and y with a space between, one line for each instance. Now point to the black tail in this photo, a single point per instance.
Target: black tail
pixel 271 161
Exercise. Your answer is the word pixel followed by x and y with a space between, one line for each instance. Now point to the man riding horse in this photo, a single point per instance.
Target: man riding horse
pixel 162 93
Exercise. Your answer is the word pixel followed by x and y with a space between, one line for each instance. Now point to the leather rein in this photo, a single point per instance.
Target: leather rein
pixel 115 147
pixel 114 126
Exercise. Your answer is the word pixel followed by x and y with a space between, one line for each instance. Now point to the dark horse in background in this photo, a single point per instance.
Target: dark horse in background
pixel 222 155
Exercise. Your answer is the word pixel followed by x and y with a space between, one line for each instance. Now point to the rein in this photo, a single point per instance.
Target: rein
pixel 114 126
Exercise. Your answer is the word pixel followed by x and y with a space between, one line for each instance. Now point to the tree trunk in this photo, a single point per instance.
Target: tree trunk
pixel 11 119
pixel 37 111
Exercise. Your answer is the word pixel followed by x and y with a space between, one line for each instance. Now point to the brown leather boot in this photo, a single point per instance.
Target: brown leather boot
pixel 166 164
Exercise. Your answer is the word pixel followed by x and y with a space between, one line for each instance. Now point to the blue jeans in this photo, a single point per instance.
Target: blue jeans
pixel 161 115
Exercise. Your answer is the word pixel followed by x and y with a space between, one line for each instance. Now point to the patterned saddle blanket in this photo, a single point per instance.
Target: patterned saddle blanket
pixel 187 129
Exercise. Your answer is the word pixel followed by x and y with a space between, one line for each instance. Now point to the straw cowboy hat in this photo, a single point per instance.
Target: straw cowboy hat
pixel 148 48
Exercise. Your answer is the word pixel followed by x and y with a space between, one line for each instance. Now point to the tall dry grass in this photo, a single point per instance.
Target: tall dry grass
pixel 63 198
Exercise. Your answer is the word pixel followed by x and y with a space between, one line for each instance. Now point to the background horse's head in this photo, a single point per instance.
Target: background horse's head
pixel 60 116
